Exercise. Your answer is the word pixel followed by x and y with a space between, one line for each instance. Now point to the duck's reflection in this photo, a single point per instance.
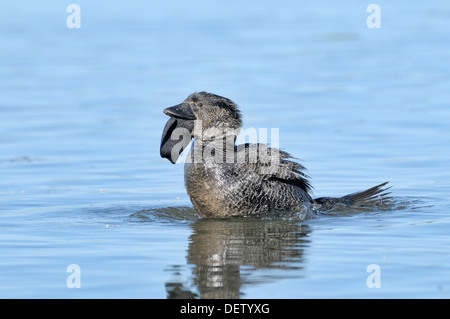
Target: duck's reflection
pixel 226 255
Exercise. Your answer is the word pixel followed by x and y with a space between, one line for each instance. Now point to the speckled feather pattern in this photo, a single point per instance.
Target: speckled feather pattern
pixel 243 188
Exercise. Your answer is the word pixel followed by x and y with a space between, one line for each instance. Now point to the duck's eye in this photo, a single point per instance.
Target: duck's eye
pixel 200 104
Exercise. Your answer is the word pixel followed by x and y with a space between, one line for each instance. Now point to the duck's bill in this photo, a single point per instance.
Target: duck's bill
pixel 181 111
pixel 175 138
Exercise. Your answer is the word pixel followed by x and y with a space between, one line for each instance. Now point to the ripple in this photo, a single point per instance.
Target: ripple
pixel 181 214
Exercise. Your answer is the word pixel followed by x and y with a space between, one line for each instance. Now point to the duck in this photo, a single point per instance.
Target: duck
pixel 224 180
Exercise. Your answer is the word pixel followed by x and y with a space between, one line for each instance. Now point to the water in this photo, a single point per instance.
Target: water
pixel 82 181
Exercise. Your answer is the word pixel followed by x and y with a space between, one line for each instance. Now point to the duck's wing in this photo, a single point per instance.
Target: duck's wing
pixel 273 164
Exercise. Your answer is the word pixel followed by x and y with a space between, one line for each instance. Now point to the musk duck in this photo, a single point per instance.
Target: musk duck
pixel 223 179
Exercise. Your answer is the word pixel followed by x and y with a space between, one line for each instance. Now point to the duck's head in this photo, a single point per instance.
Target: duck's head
pixel 202 115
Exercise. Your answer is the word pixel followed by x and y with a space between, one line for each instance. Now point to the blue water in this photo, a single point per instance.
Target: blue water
pixel 82 182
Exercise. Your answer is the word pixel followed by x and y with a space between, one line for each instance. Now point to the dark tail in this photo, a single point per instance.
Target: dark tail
pixel 368 198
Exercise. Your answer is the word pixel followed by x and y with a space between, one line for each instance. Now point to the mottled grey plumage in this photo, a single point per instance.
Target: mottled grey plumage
pixel 224 180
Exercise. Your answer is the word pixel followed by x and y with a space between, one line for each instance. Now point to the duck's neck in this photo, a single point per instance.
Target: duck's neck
pixel 218 150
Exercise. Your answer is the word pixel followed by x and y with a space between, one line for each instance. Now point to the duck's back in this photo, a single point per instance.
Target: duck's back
pixel 258 180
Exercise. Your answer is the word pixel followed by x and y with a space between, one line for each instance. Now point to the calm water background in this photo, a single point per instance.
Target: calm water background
pixel 81 180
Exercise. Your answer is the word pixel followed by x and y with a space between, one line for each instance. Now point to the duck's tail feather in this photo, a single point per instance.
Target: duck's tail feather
pixel 368 198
